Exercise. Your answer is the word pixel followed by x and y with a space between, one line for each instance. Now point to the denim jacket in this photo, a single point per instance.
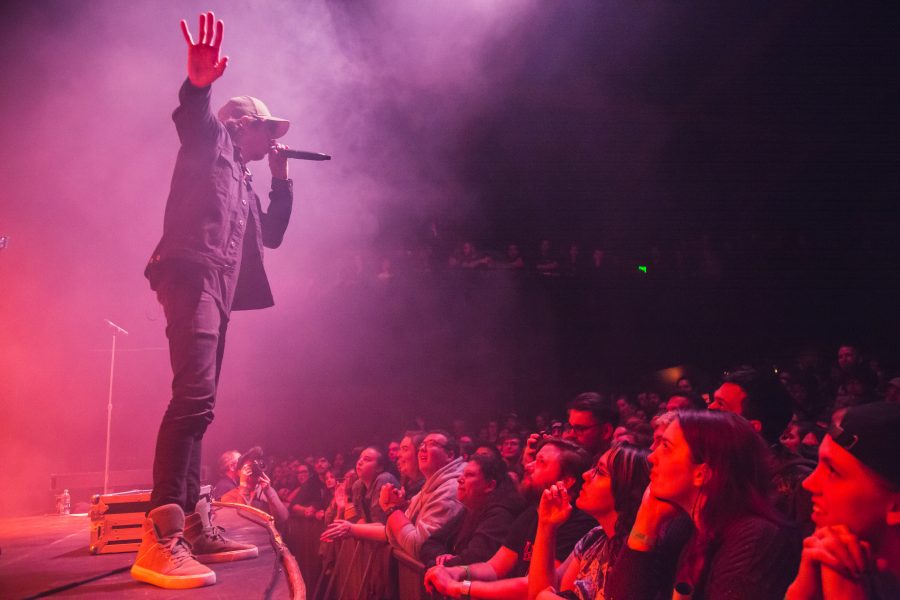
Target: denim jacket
pixel 212 210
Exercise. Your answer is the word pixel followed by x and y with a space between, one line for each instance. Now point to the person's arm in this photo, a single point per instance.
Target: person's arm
pixel 276 508
pixel 440 507
pixel 554 510
pixel 646 565
pixel 363 531
pixel 439 543
pixel 193 118
pixel 274 222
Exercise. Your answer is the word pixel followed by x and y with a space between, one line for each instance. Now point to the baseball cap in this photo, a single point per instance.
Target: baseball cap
pixel 241 106
pixel 870 433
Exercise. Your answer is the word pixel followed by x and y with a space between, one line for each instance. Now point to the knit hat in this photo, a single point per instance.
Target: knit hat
pixel 871 433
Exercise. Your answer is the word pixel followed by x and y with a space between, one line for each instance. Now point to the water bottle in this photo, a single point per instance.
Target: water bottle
pixel 66 502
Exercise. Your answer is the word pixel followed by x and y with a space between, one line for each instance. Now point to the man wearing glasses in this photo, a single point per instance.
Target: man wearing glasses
pixel 592 421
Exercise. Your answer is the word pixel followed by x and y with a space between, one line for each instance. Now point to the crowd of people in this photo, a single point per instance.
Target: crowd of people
pixel 771 485
pixel 684 257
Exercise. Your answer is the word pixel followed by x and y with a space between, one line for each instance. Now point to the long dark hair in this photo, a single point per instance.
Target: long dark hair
pixel 739 463
pixel 629 472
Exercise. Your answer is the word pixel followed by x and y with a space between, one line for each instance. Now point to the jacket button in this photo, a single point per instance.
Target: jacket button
pixel 231 244
pixel 241 222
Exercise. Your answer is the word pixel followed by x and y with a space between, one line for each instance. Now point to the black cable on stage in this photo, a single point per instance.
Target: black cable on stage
pixel 74 584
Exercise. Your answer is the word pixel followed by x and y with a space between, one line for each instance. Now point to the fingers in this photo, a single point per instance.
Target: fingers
pixel 220 66
pixel 201 34
pixel 220 33
pixel 837 548
pixel 187 33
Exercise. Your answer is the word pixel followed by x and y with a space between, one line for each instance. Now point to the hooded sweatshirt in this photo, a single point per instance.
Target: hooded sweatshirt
pixel 430 509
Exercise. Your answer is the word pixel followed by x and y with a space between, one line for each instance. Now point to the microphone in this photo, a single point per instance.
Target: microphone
pixel 302 155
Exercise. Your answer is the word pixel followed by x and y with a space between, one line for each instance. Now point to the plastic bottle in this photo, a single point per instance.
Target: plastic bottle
pixel 66 502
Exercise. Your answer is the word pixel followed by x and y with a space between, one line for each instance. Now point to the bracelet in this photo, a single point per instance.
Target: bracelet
pixel 467 589
pixel 649 540
pixel 391 511
pixel 466 571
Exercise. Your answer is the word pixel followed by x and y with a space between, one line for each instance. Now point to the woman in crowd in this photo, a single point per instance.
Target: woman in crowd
pixel 411 478
pixel 372 471
pixel 611 493
pixel 492 503
pixel 705 526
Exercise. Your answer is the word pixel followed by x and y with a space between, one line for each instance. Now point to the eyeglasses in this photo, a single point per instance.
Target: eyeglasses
pixel 431 444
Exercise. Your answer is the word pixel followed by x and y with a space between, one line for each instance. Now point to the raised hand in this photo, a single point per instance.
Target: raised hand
pixel 555 506
pixel 204 63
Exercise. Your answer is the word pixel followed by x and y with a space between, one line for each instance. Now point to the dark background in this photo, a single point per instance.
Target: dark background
pixel 765 133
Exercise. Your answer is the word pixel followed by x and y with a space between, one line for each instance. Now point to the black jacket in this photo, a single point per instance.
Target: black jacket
pixel 475 536
pixel 212 210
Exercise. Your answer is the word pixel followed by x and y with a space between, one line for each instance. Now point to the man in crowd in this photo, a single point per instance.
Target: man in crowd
pixel 854 553
pixel 761 398
pixel 228 473
pixel 208 262
pixel 504 575
pixel 592 421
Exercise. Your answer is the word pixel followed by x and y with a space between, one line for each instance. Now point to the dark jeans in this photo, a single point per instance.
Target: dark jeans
pixel 196 331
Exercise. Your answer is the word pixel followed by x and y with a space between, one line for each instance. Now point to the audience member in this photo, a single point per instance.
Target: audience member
pixel 372 473
pixel 504 574
pixel 759 397
pixel 611 493
pixel 491 503
pixel 255 489
pixel 854 553
pixel 429 510
pixel 307 498
pixel 685 400
pixel 411 478
pixel 228 474
pixel 729 542
pixel 593 420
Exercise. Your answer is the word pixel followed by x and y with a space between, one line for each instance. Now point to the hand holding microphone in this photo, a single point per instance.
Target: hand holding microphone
pixel 279 154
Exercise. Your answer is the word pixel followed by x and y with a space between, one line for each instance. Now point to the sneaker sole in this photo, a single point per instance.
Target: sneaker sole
pixel 172 582
pixel 233 555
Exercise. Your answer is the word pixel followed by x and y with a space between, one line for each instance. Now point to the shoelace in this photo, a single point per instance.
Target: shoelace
pixel 217 533
pixel 179 548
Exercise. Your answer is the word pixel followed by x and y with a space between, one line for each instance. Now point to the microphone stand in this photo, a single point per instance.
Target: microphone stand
pixel 112 365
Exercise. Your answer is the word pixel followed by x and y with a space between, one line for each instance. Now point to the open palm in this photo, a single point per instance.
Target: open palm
pixel 204 63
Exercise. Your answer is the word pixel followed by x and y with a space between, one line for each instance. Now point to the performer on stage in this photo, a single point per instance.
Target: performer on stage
pixel 208 263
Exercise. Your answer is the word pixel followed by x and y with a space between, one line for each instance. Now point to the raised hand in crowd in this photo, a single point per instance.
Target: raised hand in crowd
pixel 556 506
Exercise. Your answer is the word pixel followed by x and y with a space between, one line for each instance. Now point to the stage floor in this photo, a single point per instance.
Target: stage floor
pixel 43 556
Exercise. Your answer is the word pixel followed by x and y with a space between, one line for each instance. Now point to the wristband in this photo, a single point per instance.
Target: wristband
pixel 643 538
pixel 466 589
pixel 391 511
pixel 466 571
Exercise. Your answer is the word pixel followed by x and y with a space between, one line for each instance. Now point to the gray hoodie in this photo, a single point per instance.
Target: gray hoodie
pixel 430 509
